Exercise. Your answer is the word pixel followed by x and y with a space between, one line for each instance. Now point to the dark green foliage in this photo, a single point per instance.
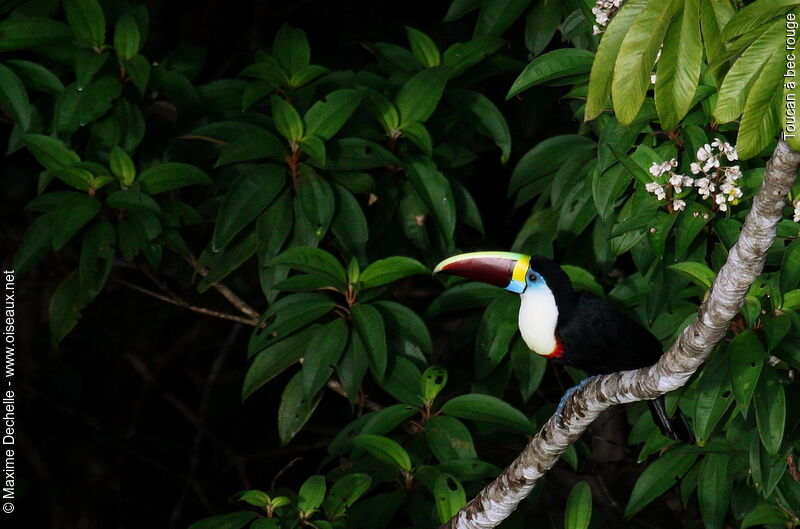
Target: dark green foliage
pixel 336 192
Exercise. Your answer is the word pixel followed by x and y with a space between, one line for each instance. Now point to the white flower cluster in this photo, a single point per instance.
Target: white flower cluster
pixel 718 182
pixel 604 11
pixel 675 183
pixel 796 216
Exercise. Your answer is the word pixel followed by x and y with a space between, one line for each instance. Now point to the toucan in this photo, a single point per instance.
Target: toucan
pixel 577 329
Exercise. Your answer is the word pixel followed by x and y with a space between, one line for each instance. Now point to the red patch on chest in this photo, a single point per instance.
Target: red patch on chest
pixel 558 350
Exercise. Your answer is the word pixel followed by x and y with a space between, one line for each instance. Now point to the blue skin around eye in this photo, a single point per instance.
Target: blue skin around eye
pixel 538 282
pixel 517 286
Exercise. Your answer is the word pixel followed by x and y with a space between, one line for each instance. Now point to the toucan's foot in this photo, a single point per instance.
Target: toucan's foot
pixel 567 395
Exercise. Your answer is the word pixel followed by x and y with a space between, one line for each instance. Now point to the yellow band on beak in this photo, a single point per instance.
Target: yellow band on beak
pixel 521 268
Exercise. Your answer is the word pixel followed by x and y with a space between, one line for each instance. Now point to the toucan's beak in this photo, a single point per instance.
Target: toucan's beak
pixel 502 269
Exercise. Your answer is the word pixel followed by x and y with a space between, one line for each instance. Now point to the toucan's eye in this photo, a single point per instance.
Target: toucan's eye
pixel 533 277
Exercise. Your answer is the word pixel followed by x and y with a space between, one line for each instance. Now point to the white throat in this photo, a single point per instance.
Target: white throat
pixel 538 315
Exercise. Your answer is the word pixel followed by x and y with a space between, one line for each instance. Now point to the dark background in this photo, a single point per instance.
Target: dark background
pixel 135 420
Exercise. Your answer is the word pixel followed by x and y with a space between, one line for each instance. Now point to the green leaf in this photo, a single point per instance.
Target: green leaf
pixel 369 324
pixel 384 449
pixel 139 71
pixel 776 328
pixel 255 498
pixel 602 74
pixel 315 262
pixel 252 144
pixel 75 108
pixel 433 381
pixel 679 66
pixel 294 410
pixel 254 189
pixel 449 439
pixel 582 279
pixel 234 520
pixel 747 358
pixel 546 157
pixel 390 269
pixel 498 327
pixel 714 493
pixel 770 404
pixel 384 421
pixel 73 212
pixel 322 354
pixel 316 197
pixel 790 267
pixel 306 74
pixel 87 64
pixel 764 514
pixel 578 513
pixel 325 118
pixel 219 265
pixel 449 496
pixel 403 322
pixel 463 55
pixel 122 166
pixel 315 148
pixel 755 15
pixel 14 97
pixel 344 493
pixel 353 366
pixel 402 381
pixel 127 41
pixel 637 55
pixel 688 226
pixel 355 154
pixel 38 242
pixel 171 175
pixel 698 273
pixel 383 110
pixel 418 135
pixel 713 397
pixel 311 494
pixel 65 307
pixel 541 24
pixel 96 260
pixel 459 8
pixel 497 15
pixel 420 95
pixel 529 368
pixel 17 33
pixel 492 410
pixel 744 72
pixel 35 76
pixel 557 64
pixel 291 49
pixel 87 21
pixel 489 116
pixel 435 191
pixel 49 151
pixel 349 225
pixel 423 48
pixel 657 478
pixel 760 122
pixel 287 315
pixel 287 120
pixel 133 201
pixel 463 296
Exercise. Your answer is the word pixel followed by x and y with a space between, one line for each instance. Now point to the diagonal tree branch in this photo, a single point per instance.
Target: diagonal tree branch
pixel 745 262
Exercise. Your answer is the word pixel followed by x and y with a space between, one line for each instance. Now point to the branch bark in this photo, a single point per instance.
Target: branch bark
pixel 745 262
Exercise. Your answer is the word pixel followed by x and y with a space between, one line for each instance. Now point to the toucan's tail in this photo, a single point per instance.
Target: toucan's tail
pixel 676 427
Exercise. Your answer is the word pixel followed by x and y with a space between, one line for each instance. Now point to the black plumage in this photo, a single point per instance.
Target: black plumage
pixel 593 336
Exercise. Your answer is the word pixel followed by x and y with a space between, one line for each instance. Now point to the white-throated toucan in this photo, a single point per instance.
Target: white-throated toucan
pixel 578 329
